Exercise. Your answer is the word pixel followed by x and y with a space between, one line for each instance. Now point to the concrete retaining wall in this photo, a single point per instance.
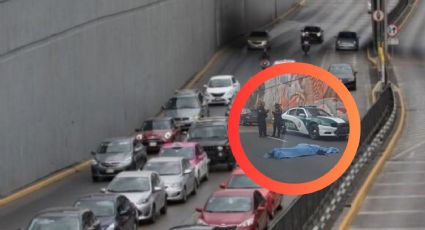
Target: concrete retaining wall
pixel 75 72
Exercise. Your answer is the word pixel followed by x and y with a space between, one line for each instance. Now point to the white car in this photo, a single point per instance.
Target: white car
pixel 314 122
pixel 282 61
pixel 221 89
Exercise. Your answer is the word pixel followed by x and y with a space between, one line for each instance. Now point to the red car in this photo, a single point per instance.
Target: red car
pixel 157 131
pixel 239 209
pixel 191 151
pixel 239 180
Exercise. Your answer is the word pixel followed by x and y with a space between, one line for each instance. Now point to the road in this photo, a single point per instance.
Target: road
pixel 396 200
pixel 332 15
pixel 288 170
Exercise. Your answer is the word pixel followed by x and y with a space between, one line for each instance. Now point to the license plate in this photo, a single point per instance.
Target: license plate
pixel 109 171
pixel 152 144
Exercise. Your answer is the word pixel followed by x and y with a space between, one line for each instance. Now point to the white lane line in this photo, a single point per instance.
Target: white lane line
pixel 391 212
pixel 384 228
pixel 407 151
pixel 403 172
pixel 399 184
pixel 395 197
pixel 406 162
pixel 275 138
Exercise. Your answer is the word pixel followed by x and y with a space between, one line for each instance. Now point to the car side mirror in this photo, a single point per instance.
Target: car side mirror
pixel 187 171
pixel 103 190
pixel 198 209
pixel 222 185
pixel 157 189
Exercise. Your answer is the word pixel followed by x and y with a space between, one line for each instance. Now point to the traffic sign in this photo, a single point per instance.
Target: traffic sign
pixel 392 30
pixel 378 15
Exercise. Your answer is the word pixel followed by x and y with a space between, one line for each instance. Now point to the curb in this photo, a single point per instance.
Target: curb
pixel 361 195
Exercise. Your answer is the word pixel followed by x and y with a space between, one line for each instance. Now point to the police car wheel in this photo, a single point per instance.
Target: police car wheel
pixel 313 131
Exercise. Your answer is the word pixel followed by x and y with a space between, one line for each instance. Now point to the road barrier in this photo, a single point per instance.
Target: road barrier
pixel 315 211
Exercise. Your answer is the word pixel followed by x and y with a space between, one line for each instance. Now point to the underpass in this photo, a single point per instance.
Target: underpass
pixel 332 15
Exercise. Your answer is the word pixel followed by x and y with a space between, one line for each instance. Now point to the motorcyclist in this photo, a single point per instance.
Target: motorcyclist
pixel 305 44
pixel 265 59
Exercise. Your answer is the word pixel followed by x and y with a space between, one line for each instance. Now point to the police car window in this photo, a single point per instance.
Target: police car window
pixel 292 112
pixel 300 111
pixel 318 112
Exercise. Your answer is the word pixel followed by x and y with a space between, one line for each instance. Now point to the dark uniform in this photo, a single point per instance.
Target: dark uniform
pixel 261 119
pixel 277 123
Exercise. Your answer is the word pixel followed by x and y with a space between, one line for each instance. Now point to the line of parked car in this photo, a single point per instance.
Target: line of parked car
pixel 188 143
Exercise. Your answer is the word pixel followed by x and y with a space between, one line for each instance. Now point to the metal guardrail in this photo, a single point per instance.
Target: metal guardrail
pixel 398 10
pixel 314 211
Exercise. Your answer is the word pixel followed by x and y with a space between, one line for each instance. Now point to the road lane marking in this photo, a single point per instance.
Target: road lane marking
pixel 406 162
pixel 275 138
pixel 385 228
pixel 403 172
pixel 391 212
pixel 407 151
pixel 362 193
pixel 383 184
pixel 383 197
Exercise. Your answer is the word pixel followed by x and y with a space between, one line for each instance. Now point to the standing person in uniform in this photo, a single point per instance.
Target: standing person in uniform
pixel 277 122
pixel 261 119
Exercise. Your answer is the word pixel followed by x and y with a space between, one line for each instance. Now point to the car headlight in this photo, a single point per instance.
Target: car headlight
pixel 247 223
pixel 167 135
pixel 201 222
pixel 303 34
pixel 220 148
pixel 94 162
pixel 111 227
pixel 319 34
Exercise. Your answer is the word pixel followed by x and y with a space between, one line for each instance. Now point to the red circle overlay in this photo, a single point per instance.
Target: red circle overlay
pixel 294 188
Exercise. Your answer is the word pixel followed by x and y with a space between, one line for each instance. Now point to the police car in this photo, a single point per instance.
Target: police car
pixel 314 122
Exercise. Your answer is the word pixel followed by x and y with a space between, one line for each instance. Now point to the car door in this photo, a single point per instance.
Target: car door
pixel 290 120
pixel 260 211
pixel 301 121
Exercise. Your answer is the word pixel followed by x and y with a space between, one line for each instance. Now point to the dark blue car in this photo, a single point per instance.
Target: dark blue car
pixel 114 211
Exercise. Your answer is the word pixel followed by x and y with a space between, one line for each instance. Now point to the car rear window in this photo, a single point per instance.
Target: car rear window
pixel 259 34
pixel 312 28
pixel 347 35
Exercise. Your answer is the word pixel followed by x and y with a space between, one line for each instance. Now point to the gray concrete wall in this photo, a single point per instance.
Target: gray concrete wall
pixel 75 72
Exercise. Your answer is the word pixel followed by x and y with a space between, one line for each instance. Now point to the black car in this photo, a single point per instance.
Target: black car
pixel 211 134
pixel 195 227
pixel 258 40
pixel 65 218
pixel 346 74
pixel 347 40
pixel 248 117
pixel 115 155
pixel 312 33
pixel 185 107
pixel 112 210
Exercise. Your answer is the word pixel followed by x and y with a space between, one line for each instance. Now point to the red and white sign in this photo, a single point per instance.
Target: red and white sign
pixel 378 15
pixel 392 30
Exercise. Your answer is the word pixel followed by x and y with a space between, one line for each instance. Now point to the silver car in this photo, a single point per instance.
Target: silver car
pixel 347 40
pixel 178 175
pixel 144 189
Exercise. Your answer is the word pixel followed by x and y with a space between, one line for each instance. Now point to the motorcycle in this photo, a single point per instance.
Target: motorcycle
pixel 305 46
pixel 265 60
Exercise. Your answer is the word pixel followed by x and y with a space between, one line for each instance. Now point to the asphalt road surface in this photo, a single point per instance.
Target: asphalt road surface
pixel 293 170
pixel 332 15
pixel 396 200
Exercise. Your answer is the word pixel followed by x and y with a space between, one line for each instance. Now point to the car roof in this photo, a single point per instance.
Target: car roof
pixel 159 119
pixel 221 77
pixel 143 173
pixel 185 92
pixel 62 211
pixel 179 144
pixel 165 159
pixel 234 192
pixel 99 196
pixel 311 27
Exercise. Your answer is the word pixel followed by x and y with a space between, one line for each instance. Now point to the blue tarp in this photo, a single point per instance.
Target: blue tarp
pixel 300 150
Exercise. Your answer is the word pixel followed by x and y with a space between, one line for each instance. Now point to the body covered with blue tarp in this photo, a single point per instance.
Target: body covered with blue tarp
pixel 301 150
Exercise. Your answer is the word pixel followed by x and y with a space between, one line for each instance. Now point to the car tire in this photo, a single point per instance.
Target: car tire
pixel 154 214
pixel 165 207
pixel 313 132
pixel 184 195
pixel 195 187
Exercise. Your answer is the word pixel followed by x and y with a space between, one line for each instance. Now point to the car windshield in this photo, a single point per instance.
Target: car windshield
pixel 312 29
pixel 228 204
pixel 219 82
pixel 242 181
pixel 98 207
pixel 340 69
pixel 156 125
pixel 208 132
pixel 259 34
pixel 55 223
pixel 315 112
pixel 164 168
pixel 119 146
pixel 129 184
pixel 185 152
pixel 183 103
pixel 347 35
